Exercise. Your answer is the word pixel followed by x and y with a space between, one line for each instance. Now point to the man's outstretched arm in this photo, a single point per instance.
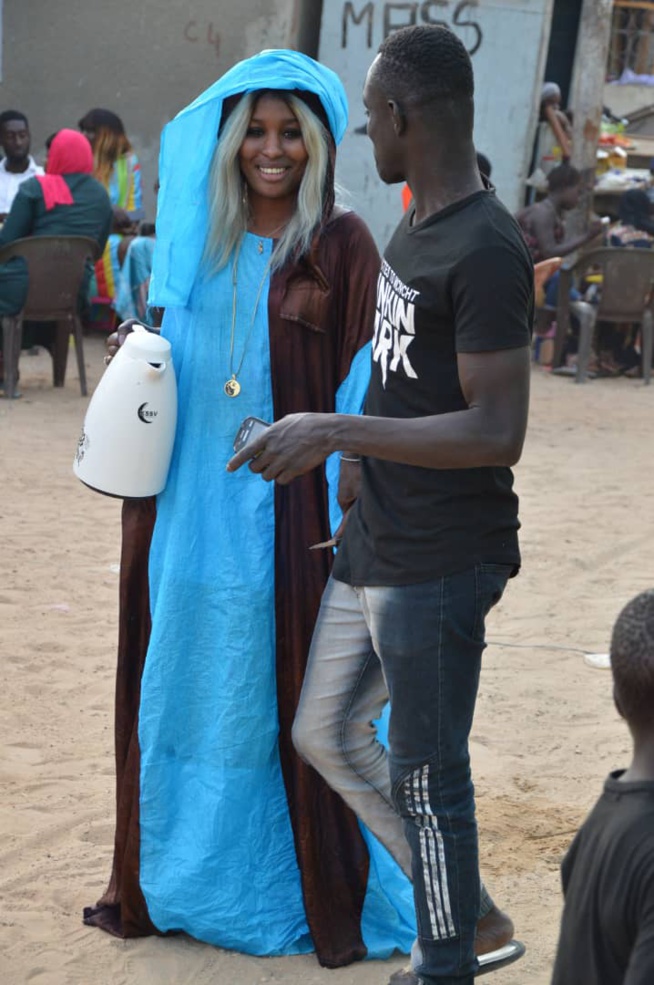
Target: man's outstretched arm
pixel 489 432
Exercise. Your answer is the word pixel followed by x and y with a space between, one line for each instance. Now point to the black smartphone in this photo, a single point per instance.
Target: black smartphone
pixel 250 429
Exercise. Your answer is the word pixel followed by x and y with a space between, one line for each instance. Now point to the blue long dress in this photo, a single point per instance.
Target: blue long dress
pixel 217 856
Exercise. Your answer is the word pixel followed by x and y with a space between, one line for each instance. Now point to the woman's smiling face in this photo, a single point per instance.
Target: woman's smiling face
pixel 273 157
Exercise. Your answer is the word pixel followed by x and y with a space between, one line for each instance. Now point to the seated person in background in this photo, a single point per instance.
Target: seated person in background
pixel 607 928
pixel 18 165
pixel 636 225
pixel 543 225
pixel 635 229
pixel 134 280
pixel 66 201
pixel 117 167
pixel 543 270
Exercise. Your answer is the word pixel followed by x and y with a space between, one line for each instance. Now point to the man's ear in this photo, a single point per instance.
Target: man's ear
pixel 398 117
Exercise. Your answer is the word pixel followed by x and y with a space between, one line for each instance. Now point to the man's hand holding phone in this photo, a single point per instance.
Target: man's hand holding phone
pixel 253 428
pixel 250 429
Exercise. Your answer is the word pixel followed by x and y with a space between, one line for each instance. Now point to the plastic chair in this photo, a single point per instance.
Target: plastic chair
pixel 56 267
pixel 626 296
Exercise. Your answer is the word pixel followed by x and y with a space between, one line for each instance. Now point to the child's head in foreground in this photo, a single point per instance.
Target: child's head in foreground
pixel 632 662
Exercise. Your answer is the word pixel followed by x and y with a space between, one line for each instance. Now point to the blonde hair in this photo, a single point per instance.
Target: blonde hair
pixel 108 146
pixel 228 206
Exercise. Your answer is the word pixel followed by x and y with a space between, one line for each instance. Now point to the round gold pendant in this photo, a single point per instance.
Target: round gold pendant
pixel 232 387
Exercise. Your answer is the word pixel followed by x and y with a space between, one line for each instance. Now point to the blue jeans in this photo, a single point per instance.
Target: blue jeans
pixel 420 645
pixel 552 290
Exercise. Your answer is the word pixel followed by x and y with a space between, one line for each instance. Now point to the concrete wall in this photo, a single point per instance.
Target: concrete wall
pixel 146 59
pixel 143 59
pixel 507 40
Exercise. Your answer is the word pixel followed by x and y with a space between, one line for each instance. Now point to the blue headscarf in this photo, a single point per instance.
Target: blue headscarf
pixel 187 146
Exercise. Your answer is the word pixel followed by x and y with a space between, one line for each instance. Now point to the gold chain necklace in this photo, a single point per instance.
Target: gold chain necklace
pixel 232 387
pixel 270 235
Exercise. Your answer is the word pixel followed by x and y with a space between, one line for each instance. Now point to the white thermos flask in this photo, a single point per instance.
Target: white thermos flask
pixel 128 433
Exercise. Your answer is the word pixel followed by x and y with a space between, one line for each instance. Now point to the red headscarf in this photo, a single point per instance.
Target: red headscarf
pixel 70 153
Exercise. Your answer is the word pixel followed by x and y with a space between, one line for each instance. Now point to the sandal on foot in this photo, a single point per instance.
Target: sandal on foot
pixel 492 961
pixel 500 958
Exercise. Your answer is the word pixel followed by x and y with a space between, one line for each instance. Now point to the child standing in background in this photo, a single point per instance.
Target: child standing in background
pixel 607 929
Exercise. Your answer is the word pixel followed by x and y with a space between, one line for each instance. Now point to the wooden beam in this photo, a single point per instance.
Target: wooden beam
pixel 634 4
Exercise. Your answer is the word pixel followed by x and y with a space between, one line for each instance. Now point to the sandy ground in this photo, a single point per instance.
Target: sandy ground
pixel 545 733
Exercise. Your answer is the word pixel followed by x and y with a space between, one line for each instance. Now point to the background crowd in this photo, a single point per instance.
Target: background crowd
pixel 117 287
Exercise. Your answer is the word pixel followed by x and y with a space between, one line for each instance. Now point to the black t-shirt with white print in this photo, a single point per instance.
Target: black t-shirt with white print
pixel 460 281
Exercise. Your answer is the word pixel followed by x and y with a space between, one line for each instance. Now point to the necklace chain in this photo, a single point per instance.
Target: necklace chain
pixel 271 234
pixel 232 387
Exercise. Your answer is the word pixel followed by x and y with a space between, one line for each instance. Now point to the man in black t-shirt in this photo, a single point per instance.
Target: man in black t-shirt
pixel 607 928
pixel 432 538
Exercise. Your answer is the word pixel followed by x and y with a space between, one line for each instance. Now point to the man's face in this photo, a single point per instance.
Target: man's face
pixel 15 140
pixel 570 197
pixel 386 144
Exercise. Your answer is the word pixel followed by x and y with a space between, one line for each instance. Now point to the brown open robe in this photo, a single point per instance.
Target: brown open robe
pixel 321 313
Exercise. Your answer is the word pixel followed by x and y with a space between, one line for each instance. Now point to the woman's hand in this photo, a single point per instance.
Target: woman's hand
pixel 349 483
pixel 116 339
